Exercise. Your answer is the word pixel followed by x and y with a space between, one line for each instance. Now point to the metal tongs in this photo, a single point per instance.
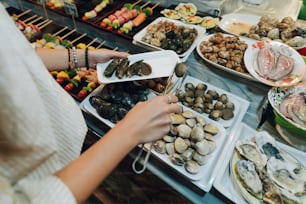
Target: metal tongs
pixel 180 71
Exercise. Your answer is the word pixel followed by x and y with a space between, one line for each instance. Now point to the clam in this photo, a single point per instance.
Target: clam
pixel 187 154
pixel 170 148
pixel 180 69
pixel 180 145
pixel 211 128
pixel 177 119
pixel 199 158
pixel 169 138
pixel 227 114
pixel 191 122
pixel 201 120
pixel 160 146
pixel 184 131
pixel 188 114
pixel 192 167
pixel 197 133
pixel 177 159
pixel 202 147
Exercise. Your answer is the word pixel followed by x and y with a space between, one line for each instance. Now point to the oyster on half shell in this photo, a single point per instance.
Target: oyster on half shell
pixel 250 151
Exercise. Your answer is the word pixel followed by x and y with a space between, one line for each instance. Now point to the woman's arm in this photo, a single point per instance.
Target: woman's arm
pixel 146 122
pixel 57 59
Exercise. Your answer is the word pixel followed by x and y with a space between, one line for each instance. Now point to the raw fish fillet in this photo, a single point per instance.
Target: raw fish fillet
pixel 265 61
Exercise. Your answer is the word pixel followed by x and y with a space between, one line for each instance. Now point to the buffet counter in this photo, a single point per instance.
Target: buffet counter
pixel 254 93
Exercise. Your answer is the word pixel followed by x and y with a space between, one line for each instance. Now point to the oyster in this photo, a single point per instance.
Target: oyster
pixel 139 68
pixel 249 177
pixel 283 175
pixel 250 151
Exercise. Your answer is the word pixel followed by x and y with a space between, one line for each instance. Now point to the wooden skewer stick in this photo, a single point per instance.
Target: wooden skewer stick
pixel 132 5
pixel 23 13
pixel 44 25
pixel 81 36
pixel 145 4
pixel 37 19
pixel 153 7
pixel 69 33
pixel 41 23
pixel 89 44
pixel 30 18
pixel 116 48
pixel 61 30
pixel 101 44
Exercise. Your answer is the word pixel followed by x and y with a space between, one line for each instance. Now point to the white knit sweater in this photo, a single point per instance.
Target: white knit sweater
pixel 39 121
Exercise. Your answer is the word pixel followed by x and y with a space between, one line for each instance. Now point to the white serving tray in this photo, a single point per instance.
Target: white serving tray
pixel 137 39
pixel 223 181
pixel 162 63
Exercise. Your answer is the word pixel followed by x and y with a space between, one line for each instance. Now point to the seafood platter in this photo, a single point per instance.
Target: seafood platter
pixel 274 63
pixel 208 134
pixel 180 37
pixel 141 66
pixel 285 30
pixel 289 105
pixel 259 169
pixel 226 52
pixel 188 13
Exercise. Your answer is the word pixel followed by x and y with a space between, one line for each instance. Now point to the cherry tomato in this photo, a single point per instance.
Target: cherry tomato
pixel 102 25
pixel 84 18
pixel 69 87
pixel 82 94
pixel 120 31
pixel 60 80
pixel 109 27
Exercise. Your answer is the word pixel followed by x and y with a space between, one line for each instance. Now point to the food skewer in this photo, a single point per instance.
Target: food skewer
pixel 109 20
pixel 16 17
pixel 35 20
pixel 101 44
pixel 88 46
pixel 99 7
pixel 142 16
pixel 125 17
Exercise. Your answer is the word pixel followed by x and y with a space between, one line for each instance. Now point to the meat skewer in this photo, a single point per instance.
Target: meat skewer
pixel 88 46
pixel 125 17
pixel 55 41
pixel 126 7
pixel 127 27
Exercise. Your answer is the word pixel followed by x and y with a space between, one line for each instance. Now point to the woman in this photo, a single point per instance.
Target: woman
pixel 42 129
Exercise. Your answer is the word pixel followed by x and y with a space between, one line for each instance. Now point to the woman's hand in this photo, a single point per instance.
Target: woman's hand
pixel 103 55
pixel 150 120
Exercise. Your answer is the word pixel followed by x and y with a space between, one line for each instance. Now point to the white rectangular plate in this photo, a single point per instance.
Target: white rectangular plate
pixel 201 31
pixel 223 181
pixel 206 170
pixel 162 64
pixel 241 105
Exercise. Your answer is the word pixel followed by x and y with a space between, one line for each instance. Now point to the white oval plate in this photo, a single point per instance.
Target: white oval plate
pixel 297 74
pixel 237 23
pixel 162 64
pixel 240 74
pixel 138 37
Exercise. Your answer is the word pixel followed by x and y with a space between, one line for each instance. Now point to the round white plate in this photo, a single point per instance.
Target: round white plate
pixel 237 23
pixel 296 75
